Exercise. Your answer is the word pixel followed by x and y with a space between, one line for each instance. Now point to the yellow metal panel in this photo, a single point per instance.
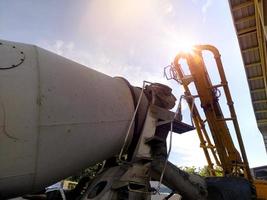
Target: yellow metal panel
pixel 261 188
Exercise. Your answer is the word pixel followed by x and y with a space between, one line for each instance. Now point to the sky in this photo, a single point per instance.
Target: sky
pixel 136 39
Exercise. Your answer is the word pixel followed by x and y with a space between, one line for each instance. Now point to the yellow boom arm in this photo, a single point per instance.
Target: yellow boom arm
pixel 227 155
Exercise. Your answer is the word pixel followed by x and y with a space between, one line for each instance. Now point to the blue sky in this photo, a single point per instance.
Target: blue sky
pixel 137 39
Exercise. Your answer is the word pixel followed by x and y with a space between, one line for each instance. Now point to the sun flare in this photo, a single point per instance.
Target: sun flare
pixel 185 46
pixel 177 43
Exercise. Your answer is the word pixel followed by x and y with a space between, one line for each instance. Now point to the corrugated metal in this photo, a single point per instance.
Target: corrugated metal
pixel 258 96
pixel 262 115
pixel 250 32
pixel 256 83
pixel 254 71
pixel 260 106
pixel 248 41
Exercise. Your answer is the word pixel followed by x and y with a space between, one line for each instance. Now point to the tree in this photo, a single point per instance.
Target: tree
pixel 190 170
pixel 202 171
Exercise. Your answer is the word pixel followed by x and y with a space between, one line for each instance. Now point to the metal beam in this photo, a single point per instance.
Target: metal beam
pixel 260 111
pixel 250 49
pixel 252 64
pixel 242 5
pixel 262 122
pixel 248 30
pixel 262 44
pixel 257 90
pixel 254 78
pixel 259 101
pixel 245 19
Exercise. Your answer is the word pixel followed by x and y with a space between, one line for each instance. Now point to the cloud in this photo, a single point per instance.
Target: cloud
pixel 206 5
pixel 60 47
pixel 65 49
pixel 131 30
pixel 104 63
pixel 186 150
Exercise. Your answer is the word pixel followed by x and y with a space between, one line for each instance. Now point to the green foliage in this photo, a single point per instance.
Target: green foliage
pixel 202 171
pixel 89 172
pixel 218 171
pixel 190 170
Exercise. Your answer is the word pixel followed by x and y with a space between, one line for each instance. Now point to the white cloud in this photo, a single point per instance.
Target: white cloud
pixel 131 29
pixel 59 47
pixel 206 5
pixel 186 150
pixel 136 74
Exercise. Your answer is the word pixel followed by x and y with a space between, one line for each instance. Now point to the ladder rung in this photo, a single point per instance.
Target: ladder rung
pixel 226 119
pixel 211 146
pixel 219 85
pixel 206 146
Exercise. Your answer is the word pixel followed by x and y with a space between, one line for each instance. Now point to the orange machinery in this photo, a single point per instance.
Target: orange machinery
pixel 223 152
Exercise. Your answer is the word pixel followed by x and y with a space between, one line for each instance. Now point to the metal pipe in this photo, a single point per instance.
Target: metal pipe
pixel 230 104
pixel 189 186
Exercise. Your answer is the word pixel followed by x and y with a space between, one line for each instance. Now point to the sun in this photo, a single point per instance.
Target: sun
pixel 185 46
pixel 177 43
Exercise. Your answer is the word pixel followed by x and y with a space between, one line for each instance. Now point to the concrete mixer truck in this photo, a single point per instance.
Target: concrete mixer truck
pixel 58 117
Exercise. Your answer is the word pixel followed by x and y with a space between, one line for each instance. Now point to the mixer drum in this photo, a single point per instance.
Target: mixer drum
pixel 56 117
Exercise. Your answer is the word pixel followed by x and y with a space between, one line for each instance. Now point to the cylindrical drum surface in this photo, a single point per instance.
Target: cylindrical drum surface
pixel 56 117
